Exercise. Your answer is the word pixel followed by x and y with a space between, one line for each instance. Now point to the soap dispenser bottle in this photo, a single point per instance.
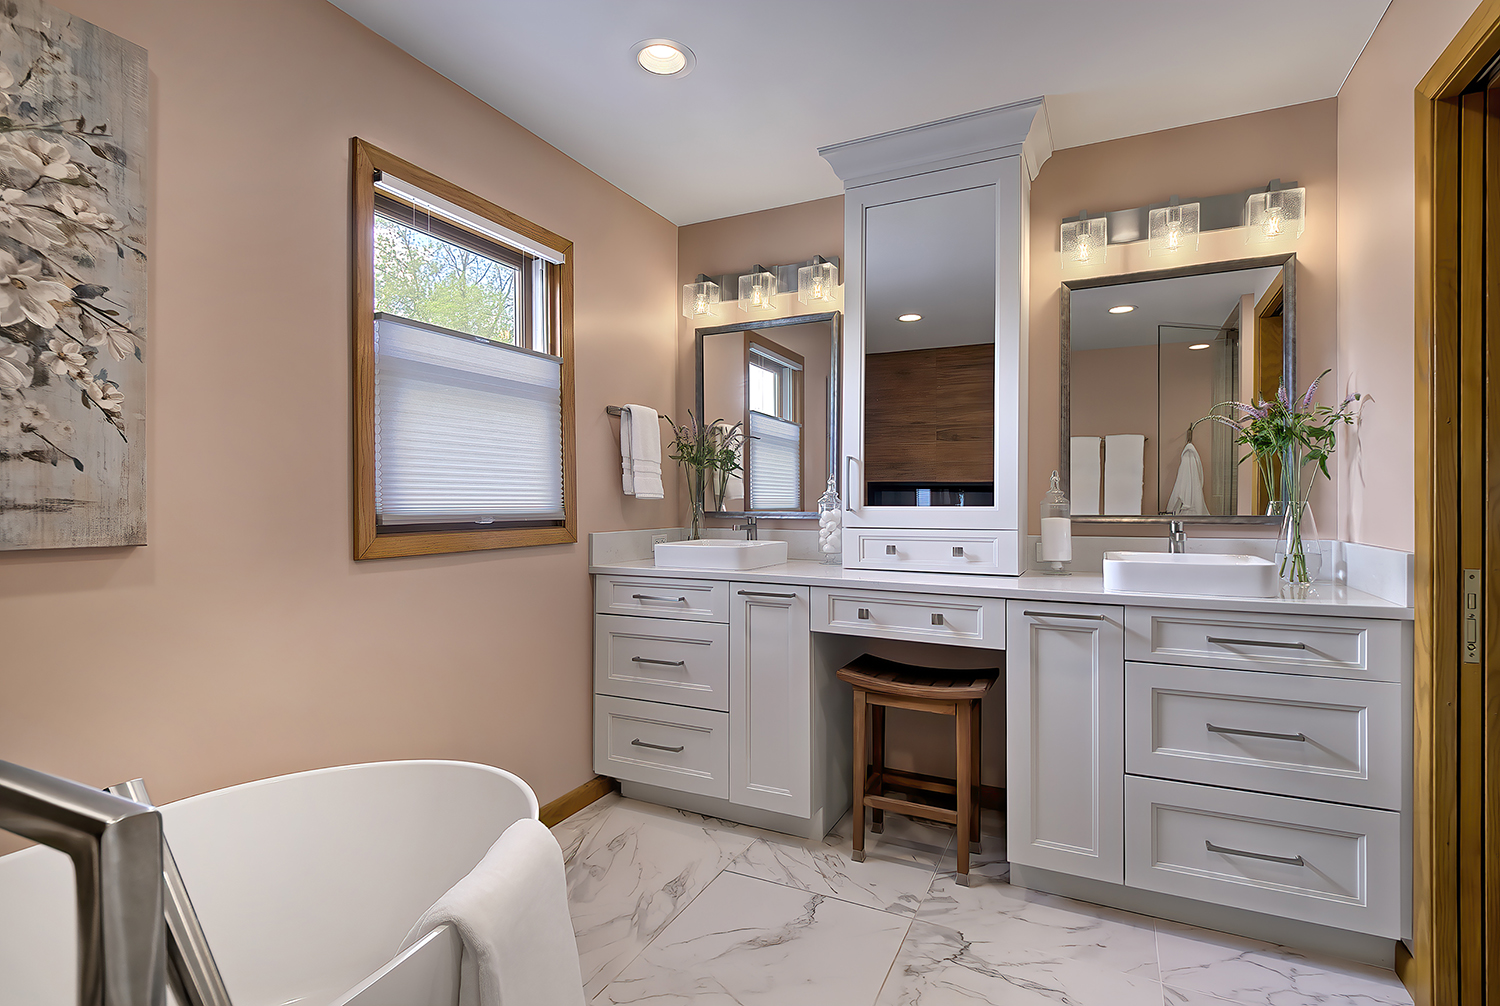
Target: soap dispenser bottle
pixel 1057 530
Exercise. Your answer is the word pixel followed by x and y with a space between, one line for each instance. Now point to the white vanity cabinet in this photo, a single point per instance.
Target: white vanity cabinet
pixel 770 680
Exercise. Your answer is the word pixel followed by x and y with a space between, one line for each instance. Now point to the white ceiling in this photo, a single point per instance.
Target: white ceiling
pixel 1185 300
pixel 776 79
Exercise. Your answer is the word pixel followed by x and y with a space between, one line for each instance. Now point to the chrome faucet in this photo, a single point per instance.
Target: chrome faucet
pixel 115 845
pixel 1178 541
pixel 752 533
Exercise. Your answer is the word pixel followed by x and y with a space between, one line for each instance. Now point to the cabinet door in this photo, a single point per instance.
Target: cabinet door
pixel 1065 717
pixel 770 698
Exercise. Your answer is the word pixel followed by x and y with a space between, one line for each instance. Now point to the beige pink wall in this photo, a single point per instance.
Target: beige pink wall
pixel 1377 263
pixel 243 641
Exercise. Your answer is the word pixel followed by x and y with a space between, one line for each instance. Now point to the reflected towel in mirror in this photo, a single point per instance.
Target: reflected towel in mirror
pixel 1124 470
pixel 1187 493
pixel 1083 473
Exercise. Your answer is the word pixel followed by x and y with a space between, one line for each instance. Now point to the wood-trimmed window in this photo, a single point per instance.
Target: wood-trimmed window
pixel 463 377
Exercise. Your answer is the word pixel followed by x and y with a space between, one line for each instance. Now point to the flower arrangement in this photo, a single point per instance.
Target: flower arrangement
pixel 709 453
pixel 1291 436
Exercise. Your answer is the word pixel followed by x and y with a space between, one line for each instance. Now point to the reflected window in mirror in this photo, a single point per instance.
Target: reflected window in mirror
pixel 773 423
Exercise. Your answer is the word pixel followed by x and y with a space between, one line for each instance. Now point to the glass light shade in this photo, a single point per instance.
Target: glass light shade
pixel 758 292
pixel 1085 242
pixel 1173 229
pixel 700 300
pixel 1275 216
pixel 817 283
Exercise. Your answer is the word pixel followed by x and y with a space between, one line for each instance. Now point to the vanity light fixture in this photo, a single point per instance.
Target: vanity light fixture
pixel 700 298
pixel 1200 345
pixel 818 282
pixel 909 317
pixel 1085 241
pixel 1172 228
pixel 664 57
pixel 1275 214
pixel 1122 309
pixel 758 291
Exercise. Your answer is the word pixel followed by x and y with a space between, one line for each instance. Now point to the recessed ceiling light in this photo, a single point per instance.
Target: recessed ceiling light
pixel 910 317
pixel 664 57
pixel 1122 309
pixel 1199 345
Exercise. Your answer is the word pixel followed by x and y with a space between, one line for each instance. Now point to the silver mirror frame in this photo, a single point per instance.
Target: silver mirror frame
pixel 1288 265
pixel 835 388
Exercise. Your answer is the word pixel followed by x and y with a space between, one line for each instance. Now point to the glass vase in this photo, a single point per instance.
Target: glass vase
pixel 1299 552
pixel 695 526
pixel 697 483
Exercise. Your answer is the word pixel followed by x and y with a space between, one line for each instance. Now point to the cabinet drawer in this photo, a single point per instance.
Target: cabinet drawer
pixel 1321 862
pixel 662 660
pixel 659 597
pixel 932 618
pixel 996 552
pixel 671 746
pixel 1292 734
pixel 1301 644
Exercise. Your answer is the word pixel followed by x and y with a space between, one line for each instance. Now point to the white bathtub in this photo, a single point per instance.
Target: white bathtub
pixel 305 884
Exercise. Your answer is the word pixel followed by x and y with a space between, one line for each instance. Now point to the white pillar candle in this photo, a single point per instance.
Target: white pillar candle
pixel 1057 539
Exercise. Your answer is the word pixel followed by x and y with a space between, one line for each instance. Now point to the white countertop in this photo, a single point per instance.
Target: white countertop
pixel 1323 598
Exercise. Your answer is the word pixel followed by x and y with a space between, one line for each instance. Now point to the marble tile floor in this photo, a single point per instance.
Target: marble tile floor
pixel 672 908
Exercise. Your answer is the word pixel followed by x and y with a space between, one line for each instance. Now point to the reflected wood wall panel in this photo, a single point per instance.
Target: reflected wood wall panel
pixel 930 415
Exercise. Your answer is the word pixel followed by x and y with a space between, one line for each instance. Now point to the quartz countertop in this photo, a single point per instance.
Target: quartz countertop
pixel 1087 588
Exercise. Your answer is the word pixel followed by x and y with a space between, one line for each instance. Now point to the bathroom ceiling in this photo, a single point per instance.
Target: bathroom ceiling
pixel 776 79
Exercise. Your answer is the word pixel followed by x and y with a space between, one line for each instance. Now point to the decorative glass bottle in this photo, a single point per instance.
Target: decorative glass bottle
pixel 831 525
pixel 1057 530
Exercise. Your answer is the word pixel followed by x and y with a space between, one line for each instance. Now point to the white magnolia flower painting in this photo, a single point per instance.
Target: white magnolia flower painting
pixel 72 282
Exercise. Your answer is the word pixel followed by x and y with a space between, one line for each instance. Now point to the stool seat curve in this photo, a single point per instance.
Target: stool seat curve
pixel 876 674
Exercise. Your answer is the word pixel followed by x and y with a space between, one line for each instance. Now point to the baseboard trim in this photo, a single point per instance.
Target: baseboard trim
pixel 572 802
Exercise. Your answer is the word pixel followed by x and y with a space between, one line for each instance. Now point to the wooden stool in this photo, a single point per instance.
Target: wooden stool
pixel 879 683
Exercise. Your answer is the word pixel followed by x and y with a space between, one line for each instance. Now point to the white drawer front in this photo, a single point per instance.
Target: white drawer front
pixel 932 618
pixel 1292 734
pixel 659 597
pixel 662 660
pixel 1301 644
pixel 671 746
pixel 931 550
pixel 1321 862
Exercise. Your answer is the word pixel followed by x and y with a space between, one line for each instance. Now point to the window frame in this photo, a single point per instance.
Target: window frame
pixel 370 542
pixel 792 392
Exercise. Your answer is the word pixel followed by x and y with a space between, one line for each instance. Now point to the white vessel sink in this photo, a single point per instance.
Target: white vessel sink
pixel 1180 573
pixel 720 553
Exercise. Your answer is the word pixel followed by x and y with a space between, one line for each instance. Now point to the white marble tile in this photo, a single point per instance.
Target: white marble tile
pixel 1031 927
pixel 745 941
pixel 938 966
pixel 894 877
pixel 571 832
pixel 1262 974
pixel 635 869
pixel 990 862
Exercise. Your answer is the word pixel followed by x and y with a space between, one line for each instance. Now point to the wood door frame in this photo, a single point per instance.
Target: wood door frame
pixel 1435 968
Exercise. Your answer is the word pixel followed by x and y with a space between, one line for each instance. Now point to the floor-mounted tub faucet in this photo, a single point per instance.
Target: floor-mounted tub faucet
pixel 1178 541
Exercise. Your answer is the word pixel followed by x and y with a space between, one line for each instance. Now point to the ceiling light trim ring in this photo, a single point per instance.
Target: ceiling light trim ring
pixel 642 58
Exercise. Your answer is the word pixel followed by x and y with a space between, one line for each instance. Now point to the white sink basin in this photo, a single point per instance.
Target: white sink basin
pixel 720 553
pixel 1165 573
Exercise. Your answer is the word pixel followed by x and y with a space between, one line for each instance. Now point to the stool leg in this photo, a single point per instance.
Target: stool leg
pixel 976 745
pixel 964 723
pixel 877 763
pixel 860 764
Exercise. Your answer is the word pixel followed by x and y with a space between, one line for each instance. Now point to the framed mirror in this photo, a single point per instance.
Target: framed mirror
pixel 779 379
pixel 1145 357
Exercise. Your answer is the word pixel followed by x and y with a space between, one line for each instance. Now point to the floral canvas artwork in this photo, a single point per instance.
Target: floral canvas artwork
pixel 73 104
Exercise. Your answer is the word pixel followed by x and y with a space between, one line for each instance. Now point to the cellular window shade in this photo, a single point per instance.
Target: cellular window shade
pixel 775 463
pixel 466 430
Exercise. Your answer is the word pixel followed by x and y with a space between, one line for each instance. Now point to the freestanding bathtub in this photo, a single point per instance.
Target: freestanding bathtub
pixel 305 884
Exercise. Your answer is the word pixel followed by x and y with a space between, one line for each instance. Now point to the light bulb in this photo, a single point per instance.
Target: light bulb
pixel 1174 237
pixel 1083 250
pixel 1273 222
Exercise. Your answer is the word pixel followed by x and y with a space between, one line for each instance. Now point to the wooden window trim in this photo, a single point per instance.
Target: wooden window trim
pixel 369 542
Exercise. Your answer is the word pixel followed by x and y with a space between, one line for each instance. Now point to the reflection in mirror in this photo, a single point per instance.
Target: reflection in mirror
pixel 929 403
pixel 1146 362
pixel 773 378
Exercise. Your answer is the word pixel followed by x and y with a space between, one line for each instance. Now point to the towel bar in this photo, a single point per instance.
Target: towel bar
pixel 615 410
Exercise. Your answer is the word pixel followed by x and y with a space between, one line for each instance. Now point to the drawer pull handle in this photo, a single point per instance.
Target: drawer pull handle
pixel 937 619
pixel 765 593
pixel 864 612
pixel 890 550
pixel 1062 614
pixel 664 663
pixel 656 747
pixel 1256 733
pixel 657 597
pixel 1285 860
pixel 958 551
pixel 1223 641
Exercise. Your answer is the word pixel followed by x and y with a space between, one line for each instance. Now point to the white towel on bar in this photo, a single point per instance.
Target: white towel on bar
pixel 1124 470
pixel 1083 474
pixel 1187 492
pixel 512 913
pixel 640 452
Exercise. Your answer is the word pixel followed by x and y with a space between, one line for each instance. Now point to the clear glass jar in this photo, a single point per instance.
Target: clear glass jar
pixel 831 525
pixel 1057 529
